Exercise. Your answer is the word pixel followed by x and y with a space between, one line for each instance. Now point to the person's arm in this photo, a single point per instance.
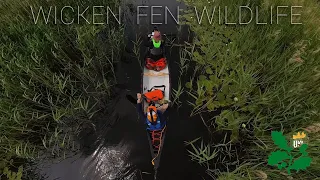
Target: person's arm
pixel 148 43
pixel 162 112
pixel 139 107
pixel 164 38
pixel 140 111
pixel 161 116
pixel 163 108
pixel 149 46
pixel 163 47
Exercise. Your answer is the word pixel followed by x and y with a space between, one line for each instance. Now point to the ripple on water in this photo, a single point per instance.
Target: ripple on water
pixel 109 163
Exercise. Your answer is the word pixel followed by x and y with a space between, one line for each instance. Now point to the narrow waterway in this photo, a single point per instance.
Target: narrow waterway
pixel 121 151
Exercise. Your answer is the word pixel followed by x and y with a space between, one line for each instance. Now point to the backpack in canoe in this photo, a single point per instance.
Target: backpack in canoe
pixel 156 65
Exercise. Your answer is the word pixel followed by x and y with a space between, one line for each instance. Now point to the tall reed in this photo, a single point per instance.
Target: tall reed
pixel 137 49
pixel 54 77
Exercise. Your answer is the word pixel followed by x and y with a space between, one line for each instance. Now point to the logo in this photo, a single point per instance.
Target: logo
pixel 298 139
pixel 285 157
pixel 299 135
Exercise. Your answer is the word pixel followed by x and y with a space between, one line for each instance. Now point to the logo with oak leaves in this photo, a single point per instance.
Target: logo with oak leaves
pixel 287 157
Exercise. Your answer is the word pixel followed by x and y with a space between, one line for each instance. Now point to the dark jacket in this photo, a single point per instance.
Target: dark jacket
pixel 143 116
pixel 149 44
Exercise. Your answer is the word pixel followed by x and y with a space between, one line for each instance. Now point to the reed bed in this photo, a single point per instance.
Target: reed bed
pixel 137 50
pixel 55 78
pixel 253 79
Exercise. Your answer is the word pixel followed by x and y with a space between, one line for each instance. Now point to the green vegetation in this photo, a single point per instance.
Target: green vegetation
pixel 54 77
pixel 137 49
pixel 251 79
pixel 13 175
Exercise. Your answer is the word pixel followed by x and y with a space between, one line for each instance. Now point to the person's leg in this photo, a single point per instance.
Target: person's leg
pixel 163 108
pixel 156 57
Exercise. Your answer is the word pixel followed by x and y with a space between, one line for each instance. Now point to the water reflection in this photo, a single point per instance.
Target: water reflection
pixel 109 163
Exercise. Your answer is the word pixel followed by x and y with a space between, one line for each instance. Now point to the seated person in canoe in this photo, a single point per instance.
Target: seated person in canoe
pixel 154 117
pixel 155 57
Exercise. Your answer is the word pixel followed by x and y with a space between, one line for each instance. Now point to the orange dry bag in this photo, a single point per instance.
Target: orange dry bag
pixel 154 94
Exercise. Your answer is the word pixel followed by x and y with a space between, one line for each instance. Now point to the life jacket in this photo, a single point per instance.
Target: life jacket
pixel 156 44
pixel 156 126
pixel 154 94
pixel 153 120
pixel 152 114
pixel 156 65
pixel 156 50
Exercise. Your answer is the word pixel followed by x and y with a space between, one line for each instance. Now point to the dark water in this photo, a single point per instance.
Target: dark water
pixel 121 151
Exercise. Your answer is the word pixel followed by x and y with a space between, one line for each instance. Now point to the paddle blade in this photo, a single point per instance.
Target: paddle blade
pixel 131 99
pixel 121 86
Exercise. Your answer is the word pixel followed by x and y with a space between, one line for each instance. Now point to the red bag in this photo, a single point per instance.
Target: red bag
pixel 156 65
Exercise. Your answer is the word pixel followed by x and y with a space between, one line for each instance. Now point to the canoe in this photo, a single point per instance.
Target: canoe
pixel 151 79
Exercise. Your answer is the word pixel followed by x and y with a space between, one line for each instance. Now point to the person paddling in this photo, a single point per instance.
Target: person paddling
pixel 155 117
pixel 155 58
pixel 156 46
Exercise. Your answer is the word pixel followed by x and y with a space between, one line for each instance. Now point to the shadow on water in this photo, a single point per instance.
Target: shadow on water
pixel 121 150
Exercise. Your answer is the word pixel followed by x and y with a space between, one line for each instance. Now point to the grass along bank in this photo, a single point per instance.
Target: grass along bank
pixel 55 78
pixel 252 79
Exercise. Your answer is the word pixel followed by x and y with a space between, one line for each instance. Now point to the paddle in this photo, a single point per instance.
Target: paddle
pixel 121 86
pixel 131 99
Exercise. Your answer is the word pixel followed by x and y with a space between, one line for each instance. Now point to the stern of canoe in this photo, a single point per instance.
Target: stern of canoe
pixel 156 139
